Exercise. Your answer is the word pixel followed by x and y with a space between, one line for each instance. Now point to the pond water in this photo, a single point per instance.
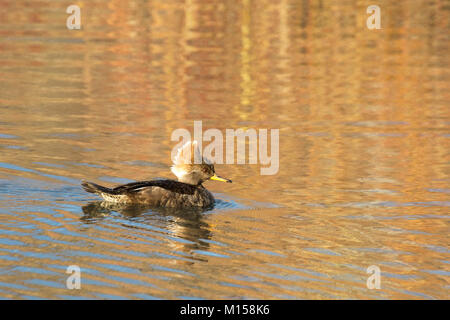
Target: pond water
pixel 364 127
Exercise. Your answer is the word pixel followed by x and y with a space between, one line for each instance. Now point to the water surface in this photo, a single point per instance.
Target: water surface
pixel 364 148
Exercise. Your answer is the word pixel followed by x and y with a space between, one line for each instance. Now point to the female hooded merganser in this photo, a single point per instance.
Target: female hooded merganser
pixel 188 191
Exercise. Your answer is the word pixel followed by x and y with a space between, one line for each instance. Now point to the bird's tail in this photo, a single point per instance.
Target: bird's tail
pixel 95 188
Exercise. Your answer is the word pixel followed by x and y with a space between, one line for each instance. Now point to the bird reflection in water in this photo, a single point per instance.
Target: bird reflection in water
pixel 186 223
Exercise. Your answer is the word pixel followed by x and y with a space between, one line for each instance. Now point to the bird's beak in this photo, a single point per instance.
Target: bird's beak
pixel 216 177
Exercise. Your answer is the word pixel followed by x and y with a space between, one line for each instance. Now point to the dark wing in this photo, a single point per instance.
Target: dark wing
pixel 170 185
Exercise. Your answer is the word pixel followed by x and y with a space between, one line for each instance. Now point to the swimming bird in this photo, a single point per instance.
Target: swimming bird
pixel 187 191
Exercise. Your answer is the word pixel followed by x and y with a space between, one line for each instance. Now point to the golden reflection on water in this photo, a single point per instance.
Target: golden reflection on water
pixel 364 128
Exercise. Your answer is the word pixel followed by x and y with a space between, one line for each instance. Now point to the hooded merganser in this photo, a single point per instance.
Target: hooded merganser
pixel 188 191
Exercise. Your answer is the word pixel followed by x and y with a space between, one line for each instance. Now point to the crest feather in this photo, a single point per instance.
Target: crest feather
pixel 188 153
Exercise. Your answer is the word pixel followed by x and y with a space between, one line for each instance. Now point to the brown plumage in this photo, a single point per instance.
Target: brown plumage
pixel 188 191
